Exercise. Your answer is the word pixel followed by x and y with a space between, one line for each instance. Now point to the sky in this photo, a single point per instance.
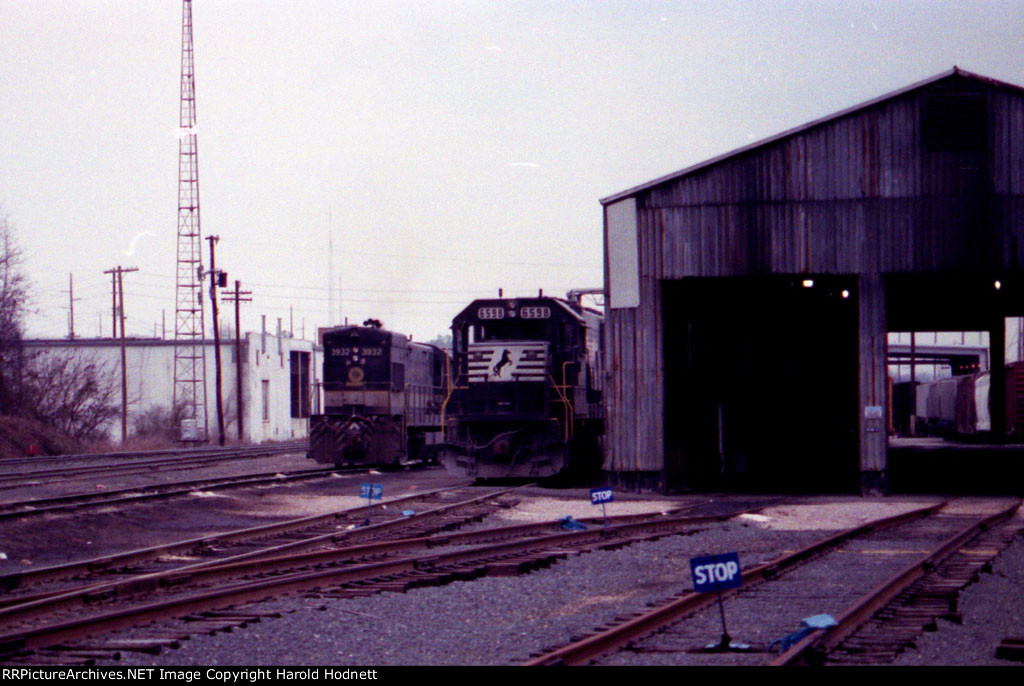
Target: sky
pixel 446 149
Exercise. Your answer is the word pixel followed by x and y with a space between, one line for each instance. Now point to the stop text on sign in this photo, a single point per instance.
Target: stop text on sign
pixel 716 572
pixel 371 491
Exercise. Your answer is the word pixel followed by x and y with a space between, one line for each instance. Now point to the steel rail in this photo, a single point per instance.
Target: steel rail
pixel 603 642
pixel 258 561
pixel 812 649
pixel 11 581
pixel 287 556
pixel 303 581
pixel 180 607
pixel 79 501
pixel 284 446
pixel 173 462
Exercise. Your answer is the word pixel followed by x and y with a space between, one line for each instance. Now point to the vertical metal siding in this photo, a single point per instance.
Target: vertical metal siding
pixel 856 195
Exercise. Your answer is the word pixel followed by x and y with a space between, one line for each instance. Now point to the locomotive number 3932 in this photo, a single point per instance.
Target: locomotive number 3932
pixel 349 351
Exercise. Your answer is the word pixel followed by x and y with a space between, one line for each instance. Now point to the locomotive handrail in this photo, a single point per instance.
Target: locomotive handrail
pixel 452 387
pixel 424 392
pixel 564 399
pixel 570 411
pixel 349 386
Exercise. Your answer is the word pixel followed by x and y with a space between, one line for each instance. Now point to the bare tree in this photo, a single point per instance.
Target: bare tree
pixel 443 341
pixel 13 302
pixel 160 422
pixel 72 393
pixel 67 391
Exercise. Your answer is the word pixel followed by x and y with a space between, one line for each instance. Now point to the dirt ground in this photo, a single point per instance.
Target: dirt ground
pixel 45 540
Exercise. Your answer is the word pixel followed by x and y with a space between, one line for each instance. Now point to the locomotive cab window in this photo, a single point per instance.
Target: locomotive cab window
pixel 459 338
pixel 569 335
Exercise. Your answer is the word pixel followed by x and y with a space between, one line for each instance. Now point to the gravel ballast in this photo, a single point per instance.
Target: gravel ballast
pixel 504 620
pixel 992 609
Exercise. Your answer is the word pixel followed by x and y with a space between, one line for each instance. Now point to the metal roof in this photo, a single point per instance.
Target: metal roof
pixel 955 71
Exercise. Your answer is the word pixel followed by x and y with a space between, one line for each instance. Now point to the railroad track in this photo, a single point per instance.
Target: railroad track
pixel 79 501
pixel 876 628
pixel 32 633
pixel 282 446
pixel 299 534
pixel 121 464
pixel 839 575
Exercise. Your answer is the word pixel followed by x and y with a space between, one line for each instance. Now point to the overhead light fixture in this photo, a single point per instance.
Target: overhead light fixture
pixel 808 283
pixel 845 294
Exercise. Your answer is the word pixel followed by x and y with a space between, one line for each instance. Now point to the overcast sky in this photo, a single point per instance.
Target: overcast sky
pixel 450 148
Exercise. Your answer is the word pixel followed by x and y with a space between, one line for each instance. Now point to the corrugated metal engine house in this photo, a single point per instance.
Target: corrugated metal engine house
pixel 749 296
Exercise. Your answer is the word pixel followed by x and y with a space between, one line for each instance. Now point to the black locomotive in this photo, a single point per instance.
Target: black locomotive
pixel 526 396
pixel 382 398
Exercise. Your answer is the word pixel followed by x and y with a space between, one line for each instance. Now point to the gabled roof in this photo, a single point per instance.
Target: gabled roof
pixel 955 71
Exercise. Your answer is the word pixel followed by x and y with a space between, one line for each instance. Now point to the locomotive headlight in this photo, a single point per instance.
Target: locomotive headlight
pixel 808 283
pixel 998 284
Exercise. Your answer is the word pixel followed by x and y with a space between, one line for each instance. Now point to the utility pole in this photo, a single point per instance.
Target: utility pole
pixel 237 298
pixel 71 306
pixel 113 305
pixel 217 278
pixel 117 276
pixel 330 267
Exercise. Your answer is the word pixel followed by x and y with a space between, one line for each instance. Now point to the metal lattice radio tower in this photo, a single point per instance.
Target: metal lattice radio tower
pixel 189 348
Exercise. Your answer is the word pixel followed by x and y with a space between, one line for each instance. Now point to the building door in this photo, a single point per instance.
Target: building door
pixel 761 383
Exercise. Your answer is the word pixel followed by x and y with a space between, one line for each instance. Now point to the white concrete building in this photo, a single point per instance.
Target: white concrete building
pixel 280 380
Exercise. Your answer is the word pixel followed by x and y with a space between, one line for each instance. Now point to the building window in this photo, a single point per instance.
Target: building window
pixel 300 384
pixel 266 400
pixel 955 121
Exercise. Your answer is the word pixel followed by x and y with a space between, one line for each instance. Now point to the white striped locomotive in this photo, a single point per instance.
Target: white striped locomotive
pixel 382 397
pixel 526 396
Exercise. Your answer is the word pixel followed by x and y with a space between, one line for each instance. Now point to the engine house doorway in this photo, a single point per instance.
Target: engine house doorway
pixel 955 356
pixel 761 383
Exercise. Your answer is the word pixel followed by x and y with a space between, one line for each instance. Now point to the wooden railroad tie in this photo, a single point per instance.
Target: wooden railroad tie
pixel 1011 649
